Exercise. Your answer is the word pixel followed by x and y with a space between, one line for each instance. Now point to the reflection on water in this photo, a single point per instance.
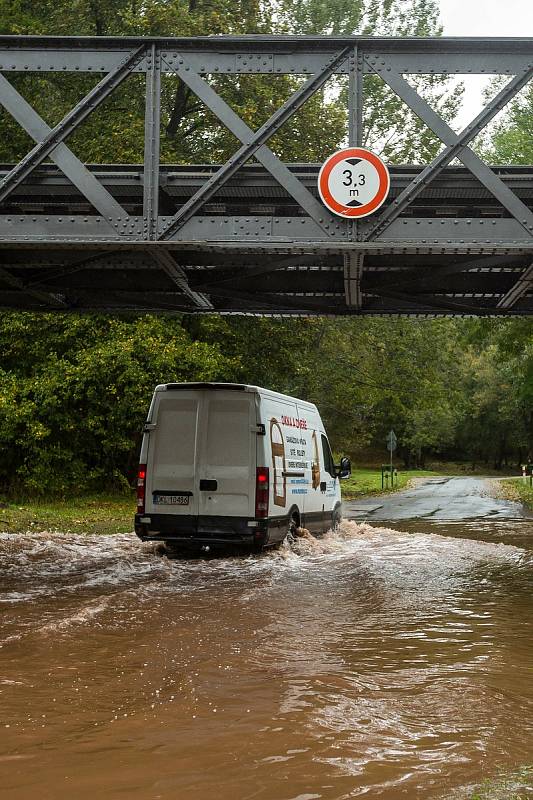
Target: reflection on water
pixel 375 662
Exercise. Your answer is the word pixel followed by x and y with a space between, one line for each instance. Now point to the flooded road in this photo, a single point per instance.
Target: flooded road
pixel 377 662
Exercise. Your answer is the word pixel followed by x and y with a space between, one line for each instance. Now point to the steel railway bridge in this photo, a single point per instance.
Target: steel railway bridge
pixel 251 235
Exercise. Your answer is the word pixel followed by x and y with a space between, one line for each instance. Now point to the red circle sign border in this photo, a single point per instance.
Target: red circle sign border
pixel 345 211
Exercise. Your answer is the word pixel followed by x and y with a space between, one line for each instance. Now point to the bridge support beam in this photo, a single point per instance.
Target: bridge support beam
pixel 251 235
pixel 56 136
pixel 50 300
pixel 355 99
pixel 65 159
pixel 353 271
pixel 253 143
pixel 177 274
pixel 457 144
pixel 523 285
pixel 152 125
pixel 510 201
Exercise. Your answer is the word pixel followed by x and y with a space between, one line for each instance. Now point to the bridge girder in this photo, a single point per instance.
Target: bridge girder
pixel 245 237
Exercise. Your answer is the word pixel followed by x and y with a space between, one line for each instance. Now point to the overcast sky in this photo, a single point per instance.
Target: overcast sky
pixel 483 18
pixel 487 17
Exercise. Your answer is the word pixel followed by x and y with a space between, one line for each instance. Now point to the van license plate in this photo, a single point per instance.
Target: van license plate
pixel 171 499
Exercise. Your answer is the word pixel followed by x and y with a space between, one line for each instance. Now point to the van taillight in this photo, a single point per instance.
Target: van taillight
pixel 261 492
pixel 141 487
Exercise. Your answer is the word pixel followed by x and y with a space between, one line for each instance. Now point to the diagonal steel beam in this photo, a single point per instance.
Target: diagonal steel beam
pixel 178 275
pixel 477 167
pixel 52 300
pixel 72 167
pixel 523 285
pixel 253 142
pixel 69 123
pixel 252 272
pixel 453 150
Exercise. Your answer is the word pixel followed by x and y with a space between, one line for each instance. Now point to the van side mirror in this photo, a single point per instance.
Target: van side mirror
pixel 344 470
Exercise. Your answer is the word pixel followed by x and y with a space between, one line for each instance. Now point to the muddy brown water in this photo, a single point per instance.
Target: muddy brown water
pixel 374 663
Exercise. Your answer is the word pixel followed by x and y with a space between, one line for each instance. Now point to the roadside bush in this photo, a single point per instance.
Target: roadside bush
pixel 73 402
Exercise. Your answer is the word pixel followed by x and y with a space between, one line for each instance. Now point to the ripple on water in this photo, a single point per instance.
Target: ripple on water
pixel 369 661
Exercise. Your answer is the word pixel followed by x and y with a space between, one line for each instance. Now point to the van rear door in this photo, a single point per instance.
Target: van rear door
pixel 202 454
pixel 171 464
pixel 227 462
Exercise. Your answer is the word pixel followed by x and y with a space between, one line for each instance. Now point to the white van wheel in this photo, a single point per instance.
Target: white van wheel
pixel 336 521
pixel 294 524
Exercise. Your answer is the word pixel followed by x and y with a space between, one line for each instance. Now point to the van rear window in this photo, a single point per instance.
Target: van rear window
pixel 176 431
pixel 228 432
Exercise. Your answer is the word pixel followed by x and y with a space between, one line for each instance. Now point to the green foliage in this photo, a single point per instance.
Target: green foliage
pixel 364 482
pixel 74 393
pixel 511 141
pixel 114 133
pixel 93 514
pixel 511 786
pixel 376 374
pixel 518 490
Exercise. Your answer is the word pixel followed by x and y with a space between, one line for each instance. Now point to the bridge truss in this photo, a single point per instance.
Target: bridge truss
pixel 251 235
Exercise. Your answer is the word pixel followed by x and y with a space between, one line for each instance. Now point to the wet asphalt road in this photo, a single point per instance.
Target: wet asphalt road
pixel 437 499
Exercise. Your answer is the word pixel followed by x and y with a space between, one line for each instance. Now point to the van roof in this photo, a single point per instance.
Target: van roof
pixel 237 387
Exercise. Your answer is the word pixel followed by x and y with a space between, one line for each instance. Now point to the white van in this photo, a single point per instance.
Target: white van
pixel 226 464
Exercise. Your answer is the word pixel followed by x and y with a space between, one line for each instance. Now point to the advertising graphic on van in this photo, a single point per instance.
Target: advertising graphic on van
pixel 278 463
pixel 233 465
pixel 292 422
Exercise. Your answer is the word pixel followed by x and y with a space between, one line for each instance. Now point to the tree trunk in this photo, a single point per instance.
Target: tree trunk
pixel 98 18
pixel 179 110
pixel 181 98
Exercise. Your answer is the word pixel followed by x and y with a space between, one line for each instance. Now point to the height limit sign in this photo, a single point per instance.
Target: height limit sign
pixel 353 182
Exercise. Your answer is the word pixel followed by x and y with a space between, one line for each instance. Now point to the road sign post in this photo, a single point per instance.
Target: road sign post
pixel 392 443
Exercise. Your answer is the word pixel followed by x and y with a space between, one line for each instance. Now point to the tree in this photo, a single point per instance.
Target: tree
pixel 390 127
pixel 514 342
pixel 511 141
pixel 74 392
pixel 115 132
pixel 496 424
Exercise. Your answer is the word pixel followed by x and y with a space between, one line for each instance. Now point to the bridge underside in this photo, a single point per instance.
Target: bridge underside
pixel 252 251
pixel 251 235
